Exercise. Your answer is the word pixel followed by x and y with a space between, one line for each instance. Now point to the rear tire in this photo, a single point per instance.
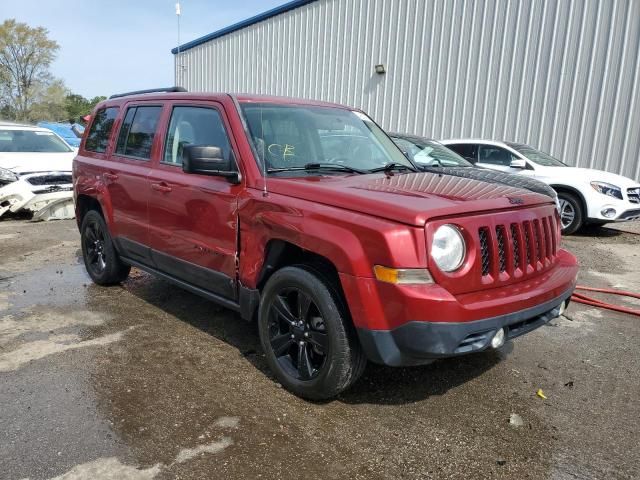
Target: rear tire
pixel 571 212
pixel 306 334
pixel 101 260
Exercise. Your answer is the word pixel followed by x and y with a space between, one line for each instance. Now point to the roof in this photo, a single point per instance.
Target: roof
pixel 220 97
pixel 473 140
pixel 408 136
pixel 243 24
pixel 20 126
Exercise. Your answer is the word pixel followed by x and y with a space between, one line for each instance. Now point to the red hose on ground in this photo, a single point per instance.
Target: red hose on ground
pixel 594 302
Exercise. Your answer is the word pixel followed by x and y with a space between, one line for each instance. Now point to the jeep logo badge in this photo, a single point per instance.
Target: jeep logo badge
pixel 515 201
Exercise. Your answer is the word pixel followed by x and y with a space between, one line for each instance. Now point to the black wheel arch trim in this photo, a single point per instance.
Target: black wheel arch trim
pixel 575 192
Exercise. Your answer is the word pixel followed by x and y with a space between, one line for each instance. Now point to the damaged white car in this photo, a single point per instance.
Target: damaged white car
pixel 35 172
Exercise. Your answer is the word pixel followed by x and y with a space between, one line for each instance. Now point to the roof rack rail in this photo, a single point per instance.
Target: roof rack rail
pixel 151 90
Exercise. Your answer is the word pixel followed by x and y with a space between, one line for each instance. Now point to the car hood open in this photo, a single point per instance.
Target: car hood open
pixel 411 198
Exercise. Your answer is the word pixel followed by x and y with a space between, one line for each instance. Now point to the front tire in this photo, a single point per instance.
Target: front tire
pixel 571 212
pixel 306 335
pixel 101 260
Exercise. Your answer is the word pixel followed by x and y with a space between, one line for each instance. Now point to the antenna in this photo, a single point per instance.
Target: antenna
pixel 178 62
pixel 265 192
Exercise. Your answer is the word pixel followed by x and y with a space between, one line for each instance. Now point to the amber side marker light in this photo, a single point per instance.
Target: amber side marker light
pixel 402 276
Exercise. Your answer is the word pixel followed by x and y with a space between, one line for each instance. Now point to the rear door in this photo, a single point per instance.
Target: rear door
pixel 127 180
pixel 192 218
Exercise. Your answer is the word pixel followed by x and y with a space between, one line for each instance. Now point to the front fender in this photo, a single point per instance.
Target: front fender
pixel 351 241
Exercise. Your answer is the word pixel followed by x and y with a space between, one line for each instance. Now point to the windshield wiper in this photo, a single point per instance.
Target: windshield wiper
pixel 392 166
pixel 332 166
pixel 318 166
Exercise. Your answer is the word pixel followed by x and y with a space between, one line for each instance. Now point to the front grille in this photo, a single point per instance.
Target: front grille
pixel 502 254
pixel 52 179
pixel 516 245
pixel 633 194
pixel 526 226
pixel 485 254
pixel 540 239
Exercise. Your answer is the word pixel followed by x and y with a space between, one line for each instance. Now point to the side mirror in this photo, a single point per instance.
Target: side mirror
pixel 518 163
pixel 208 160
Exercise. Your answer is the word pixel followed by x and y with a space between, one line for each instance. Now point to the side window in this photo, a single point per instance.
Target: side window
pixel 194 126
pixel 494 155
pixel 98 136
pixel 137 132
pixel 467 150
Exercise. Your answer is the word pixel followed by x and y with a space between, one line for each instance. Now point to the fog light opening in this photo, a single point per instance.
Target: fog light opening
pixel 608 212
pixel 498 339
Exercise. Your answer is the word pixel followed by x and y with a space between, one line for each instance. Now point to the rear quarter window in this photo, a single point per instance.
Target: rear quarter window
pixel 98 136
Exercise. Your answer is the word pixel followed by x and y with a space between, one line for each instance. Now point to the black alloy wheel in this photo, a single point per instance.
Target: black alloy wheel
pixel 309 341
pixel 94 246
pixel 101 259
pixel 297 334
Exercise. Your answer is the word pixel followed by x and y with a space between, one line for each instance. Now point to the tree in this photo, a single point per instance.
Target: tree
pixel 77 106
pixel 26 54
pixel 51 103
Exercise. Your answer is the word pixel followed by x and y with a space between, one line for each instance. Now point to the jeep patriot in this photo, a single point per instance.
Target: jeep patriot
pixel 306 217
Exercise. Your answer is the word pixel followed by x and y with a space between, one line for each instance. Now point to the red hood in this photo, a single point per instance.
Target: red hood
pixel 411 198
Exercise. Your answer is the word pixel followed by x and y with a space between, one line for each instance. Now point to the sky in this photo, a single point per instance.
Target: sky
pixel 116 46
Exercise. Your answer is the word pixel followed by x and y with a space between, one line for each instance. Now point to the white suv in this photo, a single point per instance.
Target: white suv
pixel 585 195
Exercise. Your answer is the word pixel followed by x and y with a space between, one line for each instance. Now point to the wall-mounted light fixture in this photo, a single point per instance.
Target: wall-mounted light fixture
pixel 380 70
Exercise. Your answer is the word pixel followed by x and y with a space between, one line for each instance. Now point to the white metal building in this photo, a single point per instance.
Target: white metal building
pixel 561 75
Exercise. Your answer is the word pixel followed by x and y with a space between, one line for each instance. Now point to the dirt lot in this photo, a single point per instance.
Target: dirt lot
pixel 146 381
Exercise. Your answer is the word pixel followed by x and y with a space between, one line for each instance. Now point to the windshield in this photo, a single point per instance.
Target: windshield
pixel 290 137
pixel 22 141
pixel 429 153
pixel 536 156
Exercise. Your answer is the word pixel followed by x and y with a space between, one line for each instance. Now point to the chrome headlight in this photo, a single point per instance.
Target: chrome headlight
pixel 607 189
pixel 448 248
pixel 7 175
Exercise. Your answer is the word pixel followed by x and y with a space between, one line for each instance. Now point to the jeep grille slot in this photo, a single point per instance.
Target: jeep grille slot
pixel 515 238
pixel 526 226
pixel 502 254
pixel 537 239
pixel 518 249
pixel 484 250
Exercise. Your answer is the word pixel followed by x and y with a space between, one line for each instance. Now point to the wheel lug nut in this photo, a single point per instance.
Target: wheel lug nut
pixel 306 334
pixel 301 343
pixel 293 336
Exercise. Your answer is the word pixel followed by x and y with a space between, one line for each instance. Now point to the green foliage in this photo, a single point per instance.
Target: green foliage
pixel 77 106
pixel 28 91
pixel 25 56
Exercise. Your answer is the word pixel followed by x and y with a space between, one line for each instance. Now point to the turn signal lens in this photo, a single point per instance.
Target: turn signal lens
pixel 402 276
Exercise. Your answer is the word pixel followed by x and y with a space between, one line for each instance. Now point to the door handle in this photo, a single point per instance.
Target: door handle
pixel 112 177
pixel 161 187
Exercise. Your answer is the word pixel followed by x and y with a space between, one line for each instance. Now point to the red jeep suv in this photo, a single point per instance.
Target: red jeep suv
pixel 307 217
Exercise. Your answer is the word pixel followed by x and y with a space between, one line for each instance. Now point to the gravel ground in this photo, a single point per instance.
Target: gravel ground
pixel 146 381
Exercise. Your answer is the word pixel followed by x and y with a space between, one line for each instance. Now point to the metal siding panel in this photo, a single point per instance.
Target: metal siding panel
pixel 562 76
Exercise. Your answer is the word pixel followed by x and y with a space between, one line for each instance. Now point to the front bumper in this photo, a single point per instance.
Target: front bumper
pixel 625 210
pixel 419 342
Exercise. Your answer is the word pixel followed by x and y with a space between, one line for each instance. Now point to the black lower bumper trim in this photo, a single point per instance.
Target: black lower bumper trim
pixel 418 342
pixel 630 215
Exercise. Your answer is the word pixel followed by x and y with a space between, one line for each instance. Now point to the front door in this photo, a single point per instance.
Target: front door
pixel 192 217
